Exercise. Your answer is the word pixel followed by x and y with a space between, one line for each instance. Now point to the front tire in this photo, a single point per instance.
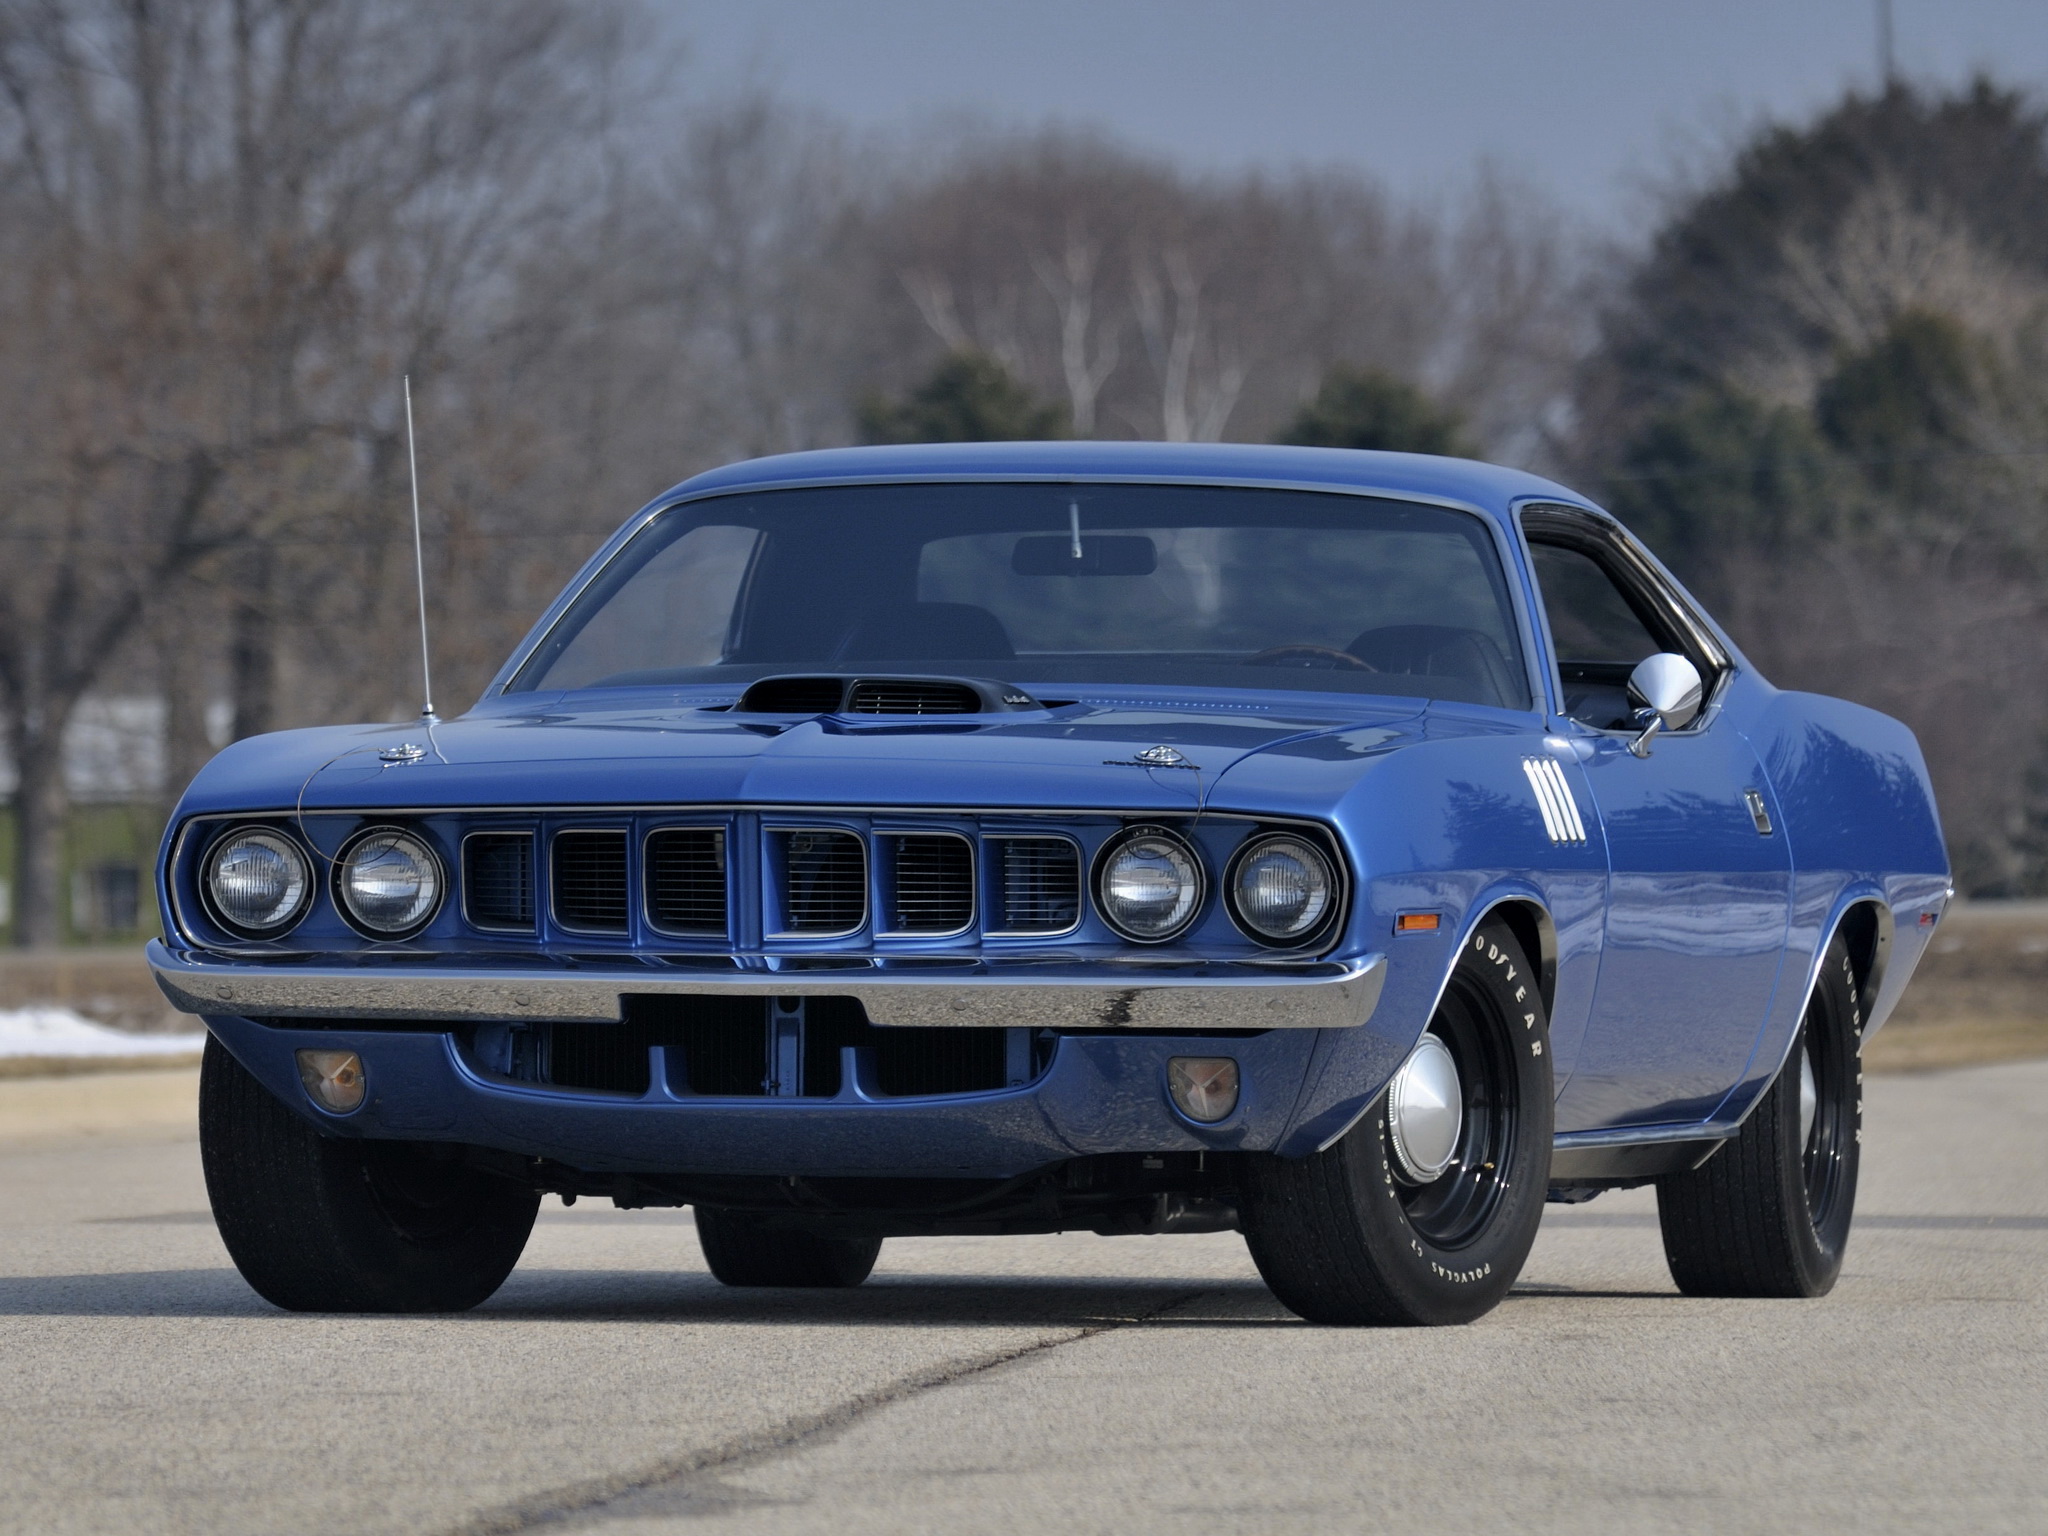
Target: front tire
pixel 326 1224
pixel 1354 1235
pixel 1769 1213
pixel 741 1248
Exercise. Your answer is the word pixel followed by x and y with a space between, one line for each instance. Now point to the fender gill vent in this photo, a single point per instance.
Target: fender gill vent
pixel 497 880
pixel 793 696
pixel 934 884
pixel 589 881
pixel 686 879
pixel 1554 800
pixel 824 882
pixel 911 696
pixel 1041 884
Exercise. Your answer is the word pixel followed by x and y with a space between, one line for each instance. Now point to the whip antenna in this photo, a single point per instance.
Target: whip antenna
pixel 419 558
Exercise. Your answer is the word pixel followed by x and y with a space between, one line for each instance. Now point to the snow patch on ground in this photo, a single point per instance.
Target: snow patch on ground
pixel 60 1032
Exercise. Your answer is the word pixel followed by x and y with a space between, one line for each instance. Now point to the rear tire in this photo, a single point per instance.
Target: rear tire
pixel 1346 1237
pixel 1769 1213
pixel 326 1224
pixel 742 1249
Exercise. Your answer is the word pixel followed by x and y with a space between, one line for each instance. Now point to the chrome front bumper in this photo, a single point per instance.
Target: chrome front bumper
pixel 1177 998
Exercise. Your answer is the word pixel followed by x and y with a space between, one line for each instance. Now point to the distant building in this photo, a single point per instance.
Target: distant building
pixel 114 769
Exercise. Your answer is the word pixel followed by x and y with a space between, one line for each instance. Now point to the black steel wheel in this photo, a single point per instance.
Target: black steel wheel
pixel 749 1249
pixel 1424 1213
pixel 1769 1213
pixel 327 1224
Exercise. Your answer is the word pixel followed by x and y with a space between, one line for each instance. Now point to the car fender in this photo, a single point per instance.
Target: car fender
pixel 1351 1067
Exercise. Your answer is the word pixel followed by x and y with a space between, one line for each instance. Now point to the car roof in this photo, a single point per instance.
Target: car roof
pixel 1486 486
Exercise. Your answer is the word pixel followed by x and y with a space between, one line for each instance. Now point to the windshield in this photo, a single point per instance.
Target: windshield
pixel 1045 585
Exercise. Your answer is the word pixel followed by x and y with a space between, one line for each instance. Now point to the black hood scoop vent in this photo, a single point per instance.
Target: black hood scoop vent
pixel 855 695
pixel 911 696
pixel 793 696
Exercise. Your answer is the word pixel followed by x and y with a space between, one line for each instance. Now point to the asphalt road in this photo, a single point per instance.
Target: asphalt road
pixel 1025 1384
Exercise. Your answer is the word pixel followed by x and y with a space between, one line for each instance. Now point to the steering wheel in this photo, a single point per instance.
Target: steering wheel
pixel 1307 656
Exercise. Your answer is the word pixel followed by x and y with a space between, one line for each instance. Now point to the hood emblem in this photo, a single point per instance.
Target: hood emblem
pixel 407 752
pixel 1153 757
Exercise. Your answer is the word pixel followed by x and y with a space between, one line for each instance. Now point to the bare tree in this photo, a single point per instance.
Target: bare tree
pixel 227 226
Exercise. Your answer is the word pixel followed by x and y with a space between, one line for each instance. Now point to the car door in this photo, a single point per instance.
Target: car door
pixel 1699 882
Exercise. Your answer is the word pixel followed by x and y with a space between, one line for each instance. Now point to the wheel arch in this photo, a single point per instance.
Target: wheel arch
pixel 1529 920
pixel 1863 921
pixel 1865 926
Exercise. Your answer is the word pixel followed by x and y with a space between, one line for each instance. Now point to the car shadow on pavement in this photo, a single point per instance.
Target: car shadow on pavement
pixel 639 1296
pixel 139 1293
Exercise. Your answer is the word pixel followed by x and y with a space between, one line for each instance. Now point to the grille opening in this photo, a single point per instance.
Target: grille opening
pixel 825 882
pixel 722 1043
pixel 907 1062
pixel 686 879
pixel 497 880
pixel 911 696
pixel 1041 884
pixel 590 881
pixel 719 1047
pixel 934 884
pixel 793 696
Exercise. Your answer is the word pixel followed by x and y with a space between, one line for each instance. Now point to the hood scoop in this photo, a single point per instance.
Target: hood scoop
pixel 854 695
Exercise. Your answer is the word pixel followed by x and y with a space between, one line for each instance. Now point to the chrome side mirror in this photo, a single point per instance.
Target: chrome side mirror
pixel 1667 692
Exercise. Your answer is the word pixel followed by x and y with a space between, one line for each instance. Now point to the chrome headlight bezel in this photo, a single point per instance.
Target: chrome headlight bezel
pixel 1315 933
pixel 293 912
pixel 1187 913
pixel 427 855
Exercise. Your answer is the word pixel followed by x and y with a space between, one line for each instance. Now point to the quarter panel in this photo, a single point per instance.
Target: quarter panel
pixel 1851 792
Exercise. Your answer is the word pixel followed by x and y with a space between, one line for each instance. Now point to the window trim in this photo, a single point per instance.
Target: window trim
pixel 1655 602
pixel 1501 531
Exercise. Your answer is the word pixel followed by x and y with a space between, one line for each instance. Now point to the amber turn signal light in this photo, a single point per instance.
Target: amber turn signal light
pixel 1416 922
pixel 1204 1087
pixel 333 1079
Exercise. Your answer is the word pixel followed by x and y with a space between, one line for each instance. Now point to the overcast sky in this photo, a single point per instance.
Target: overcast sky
pixel 1587 97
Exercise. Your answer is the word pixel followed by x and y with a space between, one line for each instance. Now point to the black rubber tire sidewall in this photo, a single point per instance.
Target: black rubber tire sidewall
pixel 1740 1224
pixel 1330 1232
pixel 744 1248
pixel 322 1223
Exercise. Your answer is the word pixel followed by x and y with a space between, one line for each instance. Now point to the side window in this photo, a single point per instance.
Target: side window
pixel 1590 621
pixel 1597 635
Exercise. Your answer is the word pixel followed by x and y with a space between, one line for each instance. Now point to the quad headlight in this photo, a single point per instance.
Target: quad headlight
pixel 389 882
pixel 1149 885
pixel 257 881
pixel 1282 890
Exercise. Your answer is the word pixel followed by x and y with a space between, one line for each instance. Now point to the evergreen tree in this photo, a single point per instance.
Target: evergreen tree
pixel 969 398
pixel 1366 408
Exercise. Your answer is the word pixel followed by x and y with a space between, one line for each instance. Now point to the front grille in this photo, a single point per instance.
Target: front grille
pixel 686 880
pixel 825 882
pixel 1041 884
pixel 911 697
pixel 718 1047
pixel 934 884
pixel 793 696
pixel 590 881
pixel 497 880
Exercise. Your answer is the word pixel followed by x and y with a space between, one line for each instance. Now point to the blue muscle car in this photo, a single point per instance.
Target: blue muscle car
pixel 1349 849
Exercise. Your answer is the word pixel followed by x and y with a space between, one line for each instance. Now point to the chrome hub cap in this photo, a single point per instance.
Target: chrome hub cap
pixel 1809 1099
pixel 1425 1111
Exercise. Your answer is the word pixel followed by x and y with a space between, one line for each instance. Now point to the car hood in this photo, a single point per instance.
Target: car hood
pixel 1083 755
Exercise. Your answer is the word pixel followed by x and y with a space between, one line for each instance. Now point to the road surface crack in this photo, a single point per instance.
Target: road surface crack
pixel 572 1501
